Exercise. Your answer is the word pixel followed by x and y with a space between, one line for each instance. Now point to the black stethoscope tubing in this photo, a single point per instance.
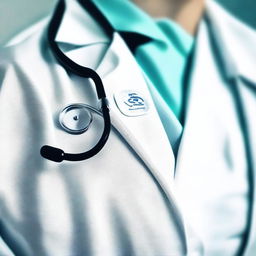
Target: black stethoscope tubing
pixel 57 154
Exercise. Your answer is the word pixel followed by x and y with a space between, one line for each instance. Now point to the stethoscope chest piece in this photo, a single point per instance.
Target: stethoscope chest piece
pixel 75 118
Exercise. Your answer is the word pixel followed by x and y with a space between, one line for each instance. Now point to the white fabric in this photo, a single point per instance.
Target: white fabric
pixel 212 180
pixel 212 172
pixel 124 201
pixel 102 206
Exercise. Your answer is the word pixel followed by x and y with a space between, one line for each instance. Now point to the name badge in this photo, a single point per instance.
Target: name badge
pixel 131 103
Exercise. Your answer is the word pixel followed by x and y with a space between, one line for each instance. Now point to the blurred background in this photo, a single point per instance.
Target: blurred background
pixel 18 14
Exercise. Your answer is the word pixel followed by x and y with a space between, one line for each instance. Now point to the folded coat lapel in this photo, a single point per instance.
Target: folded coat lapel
pixel 144 133
pixel 246 93
pixel 239 64
pixel 231 103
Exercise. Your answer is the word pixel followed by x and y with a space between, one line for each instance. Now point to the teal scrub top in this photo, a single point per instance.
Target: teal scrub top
pixel 163 60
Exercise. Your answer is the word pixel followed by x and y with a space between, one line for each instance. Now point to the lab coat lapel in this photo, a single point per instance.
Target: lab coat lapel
pixel 235 42
pixel 246 92
pixel 212 151
pixel 239 62
pixel 233 64
pixel 143 132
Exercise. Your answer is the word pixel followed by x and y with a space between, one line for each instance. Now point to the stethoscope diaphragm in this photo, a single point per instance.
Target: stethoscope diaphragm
pixel 75 118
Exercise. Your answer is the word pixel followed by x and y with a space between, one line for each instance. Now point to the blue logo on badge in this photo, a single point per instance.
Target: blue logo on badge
pixel 134 101
pixel 131 103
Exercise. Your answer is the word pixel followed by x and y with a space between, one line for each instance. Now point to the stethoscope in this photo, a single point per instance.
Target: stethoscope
pixel 57 154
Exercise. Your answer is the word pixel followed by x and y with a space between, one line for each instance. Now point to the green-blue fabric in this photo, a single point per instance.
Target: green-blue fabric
pixel 163 59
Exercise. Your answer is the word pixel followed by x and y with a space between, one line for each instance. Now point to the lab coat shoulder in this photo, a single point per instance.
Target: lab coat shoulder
pixel 18 46
pixel 7 64
pixel 24 56
pixel 32 36
pixel 235 42
pixel 7 59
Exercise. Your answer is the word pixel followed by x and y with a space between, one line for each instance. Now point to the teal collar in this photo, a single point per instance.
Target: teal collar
pixel 137 20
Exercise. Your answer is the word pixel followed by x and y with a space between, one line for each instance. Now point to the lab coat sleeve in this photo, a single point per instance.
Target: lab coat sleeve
pixel 4 249
pixel 11 244
pixel 2 70
pixel 4 64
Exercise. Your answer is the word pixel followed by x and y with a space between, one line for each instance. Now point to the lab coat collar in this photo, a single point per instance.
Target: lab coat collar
pixel 79 28
pixel 139 21
pixel 235 42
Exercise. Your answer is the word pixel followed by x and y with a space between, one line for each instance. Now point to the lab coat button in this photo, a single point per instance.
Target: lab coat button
pixel 75 118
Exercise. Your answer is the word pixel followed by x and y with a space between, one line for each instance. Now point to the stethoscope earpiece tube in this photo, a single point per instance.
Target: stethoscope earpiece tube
pixel 56 154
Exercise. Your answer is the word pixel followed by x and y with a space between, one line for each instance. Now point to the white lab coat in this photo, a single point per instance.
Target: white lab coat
pixel 125 200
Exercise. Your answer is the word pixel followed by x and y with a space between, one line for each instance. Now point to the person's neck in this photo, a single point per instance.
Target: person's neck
pixel 187 13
